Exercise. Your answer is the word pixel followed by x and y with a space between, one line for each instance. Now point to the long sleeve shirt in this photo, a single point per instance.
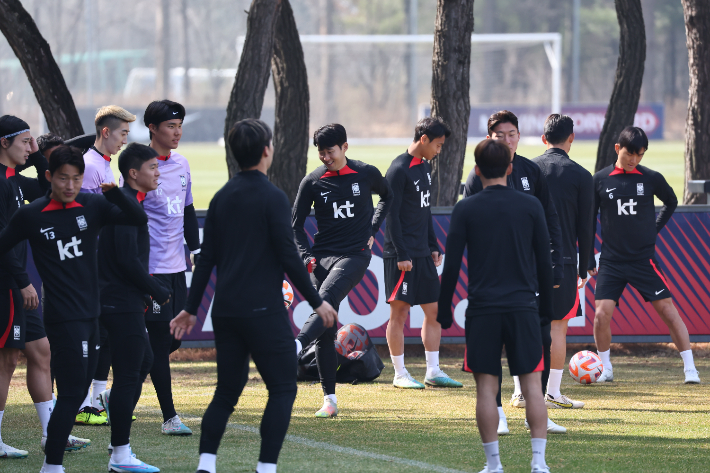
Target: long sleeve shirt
pixel 248 237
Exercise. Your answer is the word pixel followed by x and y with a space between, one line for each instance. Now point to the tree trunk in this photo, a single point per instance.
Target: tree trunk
pixel 252 78
pixel 291 84
pixel 42 70
pixel 450 94
pixel 697 125
pixel 162 49
pixel 627 83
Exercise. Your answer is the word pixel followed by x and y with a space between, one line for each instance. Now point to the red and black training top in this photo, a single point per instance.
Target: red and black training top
pixel 64 238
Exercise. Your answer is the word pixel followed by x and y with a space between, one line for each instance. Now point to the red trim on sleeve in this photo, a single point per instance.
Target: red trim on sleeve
pixel 415 162
pixel 573 313
pixel 56 205
pixel 3 339
pixel 9 172
pixel 396 288
pixel 342 172
pixel 623 171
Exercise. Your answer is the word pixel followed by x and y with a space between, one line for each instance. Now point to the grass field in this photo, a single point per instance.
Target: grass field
pixel 646 421
pixel 209 170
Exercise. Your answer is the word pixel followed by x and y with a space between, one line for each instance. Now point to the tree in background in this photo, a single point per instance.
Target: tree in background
pixel 627 82
pixel 42 70
pixel 450 99
pixel 697 125
pixel 292 110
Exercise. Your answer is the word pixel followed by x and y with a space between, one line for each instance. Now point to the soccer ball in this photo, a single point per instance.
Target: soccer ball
pixel 288 294
pixel 585 367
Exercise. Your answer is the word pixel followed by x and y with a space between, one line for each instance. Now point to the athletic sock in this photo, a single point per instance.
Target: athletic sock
pixel 265 467
pixel 208 462
pixel 398 363
pixel 121 453
pixel 553 382
pixel 332 398
pixel 538 451
pixel 44 412
pixel 492 455
pixel 299 346
pixel 687 356
pixel 518 389
pixel 606 359
pixel 432 363
pixel 97 387
pixel 501 414
pixel 1 414
pixel 87 401
pixel 51 468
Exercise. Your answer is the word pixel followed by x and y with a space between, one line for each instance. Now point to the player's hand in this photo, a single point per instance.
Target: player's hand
pixel 33 145
pixel 593 272
pixel 581 282
pixel 370 242
pixel 556 287
pixel 29 298
pixel 107 186
pixel 404 265
pixel 193 260
pixel 311 265
pixel 167 300
pixel 445 318
pixel 182 324
pixel 326 312
pixel 437 257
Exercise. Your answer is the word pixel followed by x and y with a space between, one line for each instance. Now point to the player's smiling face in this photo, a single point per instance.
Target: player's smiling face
pixel 334 157
pixel 168 133
pixel 115 139
pixel 66 183
pixel 147 176
pixel 628 160
pixel 19 150
pixel 509 134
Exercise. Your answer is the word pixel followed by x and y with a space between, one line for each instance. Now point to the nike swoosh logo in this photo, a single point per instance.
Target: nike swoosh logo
pixel 416 182
pixel 324 193
pixel 537 294
pixel 175 113
pixel 658 292
pixel 42 230
pixel 98 347
pixel 609 190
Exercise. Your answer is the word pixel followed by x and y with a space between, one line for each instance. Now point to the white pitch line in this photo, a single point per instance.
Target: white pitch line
pixel 346 450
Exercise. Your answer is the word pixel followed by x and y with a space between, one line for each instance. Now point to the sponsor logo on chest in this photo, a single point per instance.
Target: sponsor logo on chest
pixel 81 221
pixel 526 184
pixel 626 208
pixel 639 188
pixel 356 189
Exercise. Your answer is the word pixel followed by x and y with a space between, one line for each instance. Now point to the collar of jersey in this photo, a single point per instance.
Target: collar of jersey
pixel 9 172
pixel 623 171
pixel 164 158
pixel 139 195
pixel 56 205
pixel 345 170
pixel 107 158
pixel 415 161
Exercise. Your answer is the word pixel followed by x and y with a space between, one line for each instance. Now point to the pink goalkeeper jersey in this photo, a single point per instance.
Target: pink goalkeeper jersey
pixel 165 207
pixel 97 171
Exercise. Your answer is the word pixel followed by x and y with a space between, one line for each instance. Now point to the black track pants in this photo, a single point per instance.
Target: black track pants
pixel 161 343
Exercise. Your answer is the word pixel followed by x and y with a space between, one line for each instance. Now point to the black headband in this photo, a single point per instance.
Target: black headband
pixel 170 113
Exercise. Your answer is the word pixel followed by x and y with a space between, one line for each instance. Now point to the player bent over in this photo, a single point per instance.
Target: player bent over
pixel 21 327
pixel 340 191
pixel 571 191
pixel 411 254
pixel 623 193
pixel 248 237
pixel 63 229
pixel 502 306
pixel 124 281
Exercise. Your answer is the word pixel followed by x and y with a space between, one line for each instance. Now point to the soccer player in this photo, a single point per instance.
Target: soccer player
pixel 172 220
pixel 527 178
pixel 571 191
pixel 48 143
pixel 340 191
pixel 112 127
pixel 62 228
pixel 623 193
pixel 123 280
pixel 248 312
pixel 509 260
pixel 21 327
pixel 411 254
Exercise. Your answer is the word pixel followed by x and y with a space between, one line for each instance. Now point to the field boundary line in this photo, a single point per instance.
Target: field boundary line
pixel 346 450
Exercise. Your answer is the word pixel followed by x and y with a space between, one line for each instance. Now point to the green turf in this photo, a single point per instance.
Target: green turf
pixel 209 170
pixel 646 421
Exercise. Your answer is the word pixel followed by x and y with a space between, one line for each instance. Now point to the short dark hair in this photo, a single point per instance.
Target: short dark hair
pixel 432 127
pixel 134 156
pixel 504 116
pixel 11 126
pixel 558 128
pixel 492 158
pixel 48 140
pixel 160 111
pixel 633 139
pixel 66 155
pixel 247 140
pixel 329 136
